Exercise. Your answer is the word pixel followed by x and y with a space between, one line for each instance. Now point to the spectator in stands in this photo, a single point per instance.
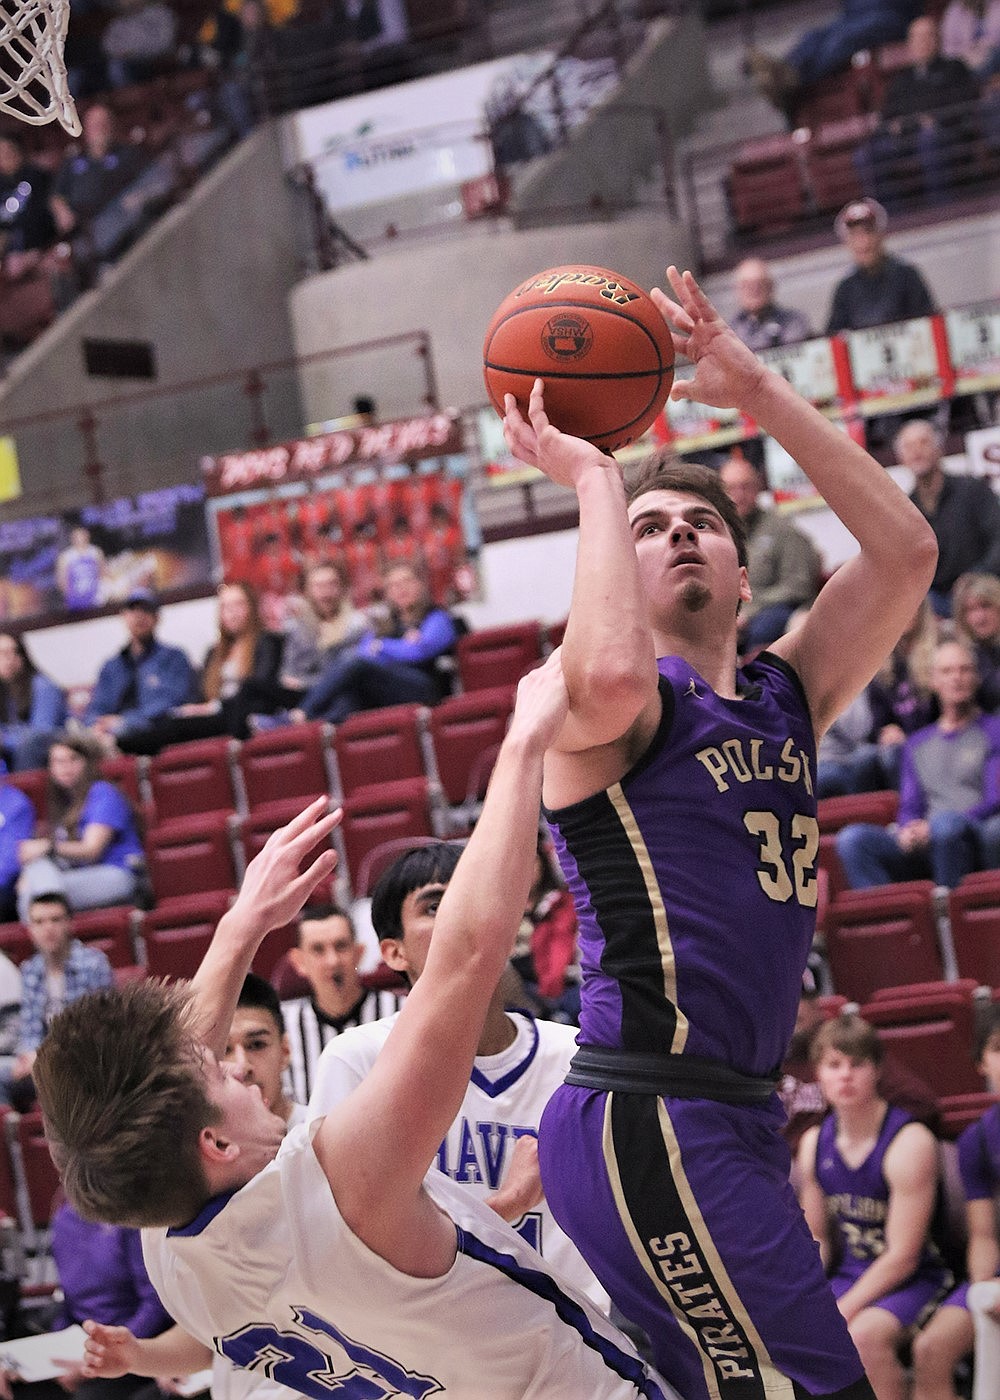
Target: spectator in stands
pixel 32 708
pixel 327 956
pixel 140 42
pixel 17 822
pixel 847 756
pixel 948 1337
pixel 926 123
pixel 761 322
pixel 239 678
pixel 976 604
pixel 546 956
pixel 10 1012
pixel 829 48
pixel 142 681
pixel 882 288
pixel 257 1049
pixel 970 30
pixel 901 695
pixel 87 848
pixel 325 626
pixel 101 1277
pixel 104 193
pixel 799 1090
pixel 783 565
pixel 869 1178
pixel 61 969
pixel 399 662
pixel 949 801
pixel 26 223
pixel 963 511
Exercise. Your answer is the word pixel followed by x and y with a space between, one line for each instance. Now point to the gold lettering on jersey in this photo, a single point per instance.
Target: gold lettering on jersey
pixel 861 1207
pixel 744 761
pixel 677 1257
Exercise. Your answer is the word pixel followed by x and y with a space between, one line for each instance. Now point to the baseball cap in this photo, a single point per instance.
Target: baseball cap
pixel 861 211
pixel 142 598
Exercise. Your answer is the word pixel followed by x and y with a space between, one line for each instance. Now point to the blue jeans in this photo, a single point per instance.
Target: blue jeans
pixel 894 166
pixel 861 771
pixel 871 855
pixel 362 683
pixel 828 48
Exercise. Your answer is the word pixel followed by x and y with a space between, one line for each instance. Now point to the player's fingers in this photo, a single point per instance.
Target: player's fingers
pixel 680 390
pixel 301 823
pixel 698 297
pixel 323 865
pixel 512 412
pixel 674 315
pixel 536 407
pixel 318 831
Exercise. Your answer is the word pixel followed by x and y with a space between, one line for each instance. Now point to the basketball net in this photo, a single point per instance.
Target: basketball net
pixel 33 84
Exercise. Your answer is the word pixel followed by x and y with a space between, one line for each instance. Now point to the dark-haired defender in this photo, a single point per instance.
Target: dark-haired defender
pixel 680 796
pixel 340 1265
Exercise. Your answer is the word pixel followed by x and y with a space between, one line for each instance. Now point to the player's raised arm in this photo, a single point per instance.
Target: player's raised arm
pixel 377 1145
pixel 272 893
pixel 864 608
pixel 609 660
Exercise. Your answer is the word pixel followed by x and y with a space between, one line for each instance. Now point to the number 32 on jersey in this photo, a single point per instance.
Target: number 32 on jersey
pixel 786 859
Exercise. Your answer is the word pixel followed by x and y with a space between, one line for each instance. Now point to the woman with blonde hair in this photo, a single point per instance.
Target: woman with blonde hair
pixel 900 695
pixel 976 608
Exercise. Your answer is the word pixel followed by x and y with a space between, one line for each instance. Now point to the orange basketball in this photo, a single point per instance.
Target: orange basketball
pixel 597 340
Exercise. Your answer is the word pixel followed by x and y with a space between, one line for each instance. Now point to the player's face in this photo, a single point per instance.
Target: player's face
pixel 989 1065
pixel 846 1082
pixel 327 955
pixel 257 1052
pixel 245 1118
pixel 409 953
pixel 687 557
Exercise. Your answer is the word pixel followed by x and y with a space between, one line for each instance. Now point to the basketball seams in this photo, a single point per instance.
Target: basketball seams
pixel 621 313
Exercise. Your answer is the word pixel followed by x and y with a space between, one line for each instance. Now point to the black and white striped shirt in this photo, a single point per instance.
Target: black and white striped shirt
pixel 309 1030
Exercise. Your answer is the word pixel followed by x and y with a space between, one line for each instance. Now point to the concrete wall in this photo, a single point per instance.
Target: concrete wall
pixel 451 290
pixel 209 288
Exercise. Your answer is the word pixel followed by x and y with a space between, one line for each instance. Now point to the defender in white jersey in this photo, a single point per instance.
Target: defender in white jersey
pixel 331 1265
pixel 518 1065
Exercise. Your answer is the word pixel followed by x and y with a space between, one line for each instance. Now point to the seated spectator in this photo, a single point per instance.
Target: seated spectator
pixel 869 1179
pixel 140 42
pixel 882 288
pixel 17 822
pixel 963 511
pixel 104 192
pixel 32 708
pixel 88 848
pixel 925 123
pixel 327 956
pixel 800 1093
pixel 101 1278
pixel 976 604
pixel 829 48
pixel 761 322
pixel 239 677
pixel 847 756
pixel 900 695
pixel 61 970
pixel 144 680
pixel 948 1337
pixel 326 625
pixel 26 224
pixel 397 663
pixel 949 801
pixel 783 564
pixel 546 956
pixel 970 30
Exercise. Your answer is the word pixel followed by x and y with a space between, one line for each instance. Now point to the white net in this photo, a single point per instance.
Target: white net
pixel 33 83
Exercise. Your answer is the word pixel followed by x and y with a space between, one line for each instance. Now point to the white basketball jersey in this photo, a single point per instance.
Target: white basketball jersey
pixel 504 1101
pixel 271 1277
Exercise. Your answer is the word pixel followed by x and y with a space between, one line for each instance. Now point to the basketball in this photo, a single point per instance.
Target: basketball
pixel 598 341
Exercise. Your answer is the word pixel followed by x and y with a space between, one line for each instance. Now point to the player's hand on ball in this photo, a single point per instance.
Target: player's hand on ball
pixel 540 444
pixel 726 373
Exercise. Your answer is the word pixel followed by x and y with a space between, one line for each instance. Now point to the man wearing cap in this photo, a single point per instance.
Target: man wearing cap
pixel 145 679
pixel 882 288
pixel 760 322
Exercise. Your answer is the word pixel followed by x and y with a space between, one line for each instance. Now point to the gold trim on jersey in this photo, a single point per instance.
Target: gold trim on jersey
pixel 667 962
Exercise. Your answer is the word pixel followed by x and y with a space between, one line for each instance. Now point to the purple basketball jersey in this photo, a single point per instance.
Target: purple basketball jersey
pixel 979 1156
pixel 694 877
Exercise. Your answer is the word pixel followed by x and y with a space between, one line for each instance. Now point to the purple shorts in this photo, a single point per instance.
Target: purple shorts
pixel 684 1211
pixel 910 1304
